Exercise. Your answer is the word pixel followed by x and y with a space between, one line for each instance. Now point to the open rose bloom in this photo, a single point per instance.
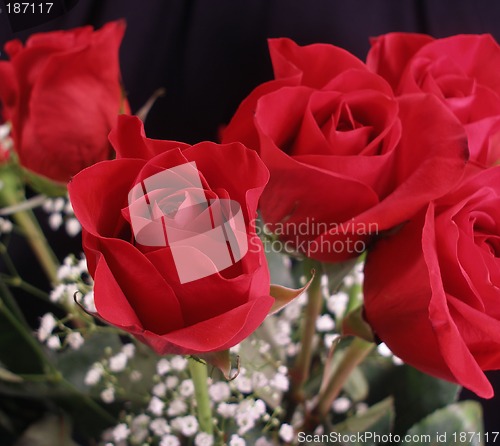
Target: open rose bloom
pixel 163 270
pixel 347 158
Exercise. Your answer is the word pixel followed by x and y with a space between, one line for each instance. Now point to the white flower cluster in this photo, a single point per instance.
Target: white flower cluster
pixel 73 278
pixel 104 372
pixel 170 412
pixel 47 334
pixel 61 213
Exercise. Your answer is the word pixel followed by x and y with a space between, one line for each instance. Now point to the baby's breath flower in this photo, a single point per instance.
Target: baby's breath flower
pixel 159 427
pixel 163 367
pixel 156 406
pixel 280 382
pixel 159 390
pixel 58 292
pixel 219 391
pixel 176 407
pixel 72 226
pixel 121 432
pixel 243 384
pixel 55 221
pixel 118 362
pixel 189 425
pixel 236 440
pixel 88 302
pixel 235 349
pixel 325 323
pixel 178 363
pixel 171 382
pixel 383 350
pixel 245 422
pixel 259 380
pixel 170 440
pixel 286 433
pixel 108 395
pixel 94 374
pixel 227 410
pixel 129 350
pixel 186 389
pixel 47 325
pixel 75 340
pixel 54 343
pixel 203 439
pixel 330 339
pixel 341 405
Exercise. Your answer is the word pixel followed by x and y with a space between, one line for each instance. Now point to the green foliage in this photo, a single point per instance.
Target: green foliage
pixel 454 425
pixel 378 419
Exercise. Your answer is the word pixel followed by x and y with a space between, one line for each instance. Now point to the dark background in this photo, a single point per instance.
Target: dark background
pixel 209 54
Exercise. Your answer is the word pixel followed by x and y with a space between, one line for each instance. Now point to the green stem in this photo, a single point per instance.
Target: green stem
pixel 11 194
pixel 18 282
pixel 21 329
pixel 353 356
pixel 38 243
pixel 199 375
pixel 300 371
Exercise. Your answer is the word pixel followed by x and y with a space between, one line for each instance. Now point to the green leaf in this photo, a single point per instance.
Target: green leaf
pixel 418 395
pixel 456 424
pixel 356 385
pixel 378 419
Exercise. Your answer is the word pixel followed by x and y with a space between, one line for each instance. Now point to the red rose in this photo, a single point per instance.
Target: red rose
pixel 432 290
pixel 62 92
pixel 140 286
pixel 462 71
pixel 346 158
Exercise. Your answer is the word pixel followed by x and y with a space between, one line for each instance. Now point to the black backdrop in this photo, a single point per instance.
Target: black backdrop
pixel 209 54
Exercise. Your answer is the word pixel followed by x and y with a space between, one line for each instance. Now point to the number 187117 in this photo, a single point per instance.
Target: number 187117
pixel 29 8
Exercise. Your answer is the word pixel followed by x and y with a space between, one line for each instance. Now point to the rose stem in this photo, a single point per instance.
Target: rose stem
pixel 355 353
pixel 300 371
pixel 199 375
pixel 11 194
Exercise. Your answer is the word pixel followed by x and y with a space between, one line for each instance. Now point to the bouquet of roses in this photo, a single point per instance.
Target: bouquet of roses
pixel 326 273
